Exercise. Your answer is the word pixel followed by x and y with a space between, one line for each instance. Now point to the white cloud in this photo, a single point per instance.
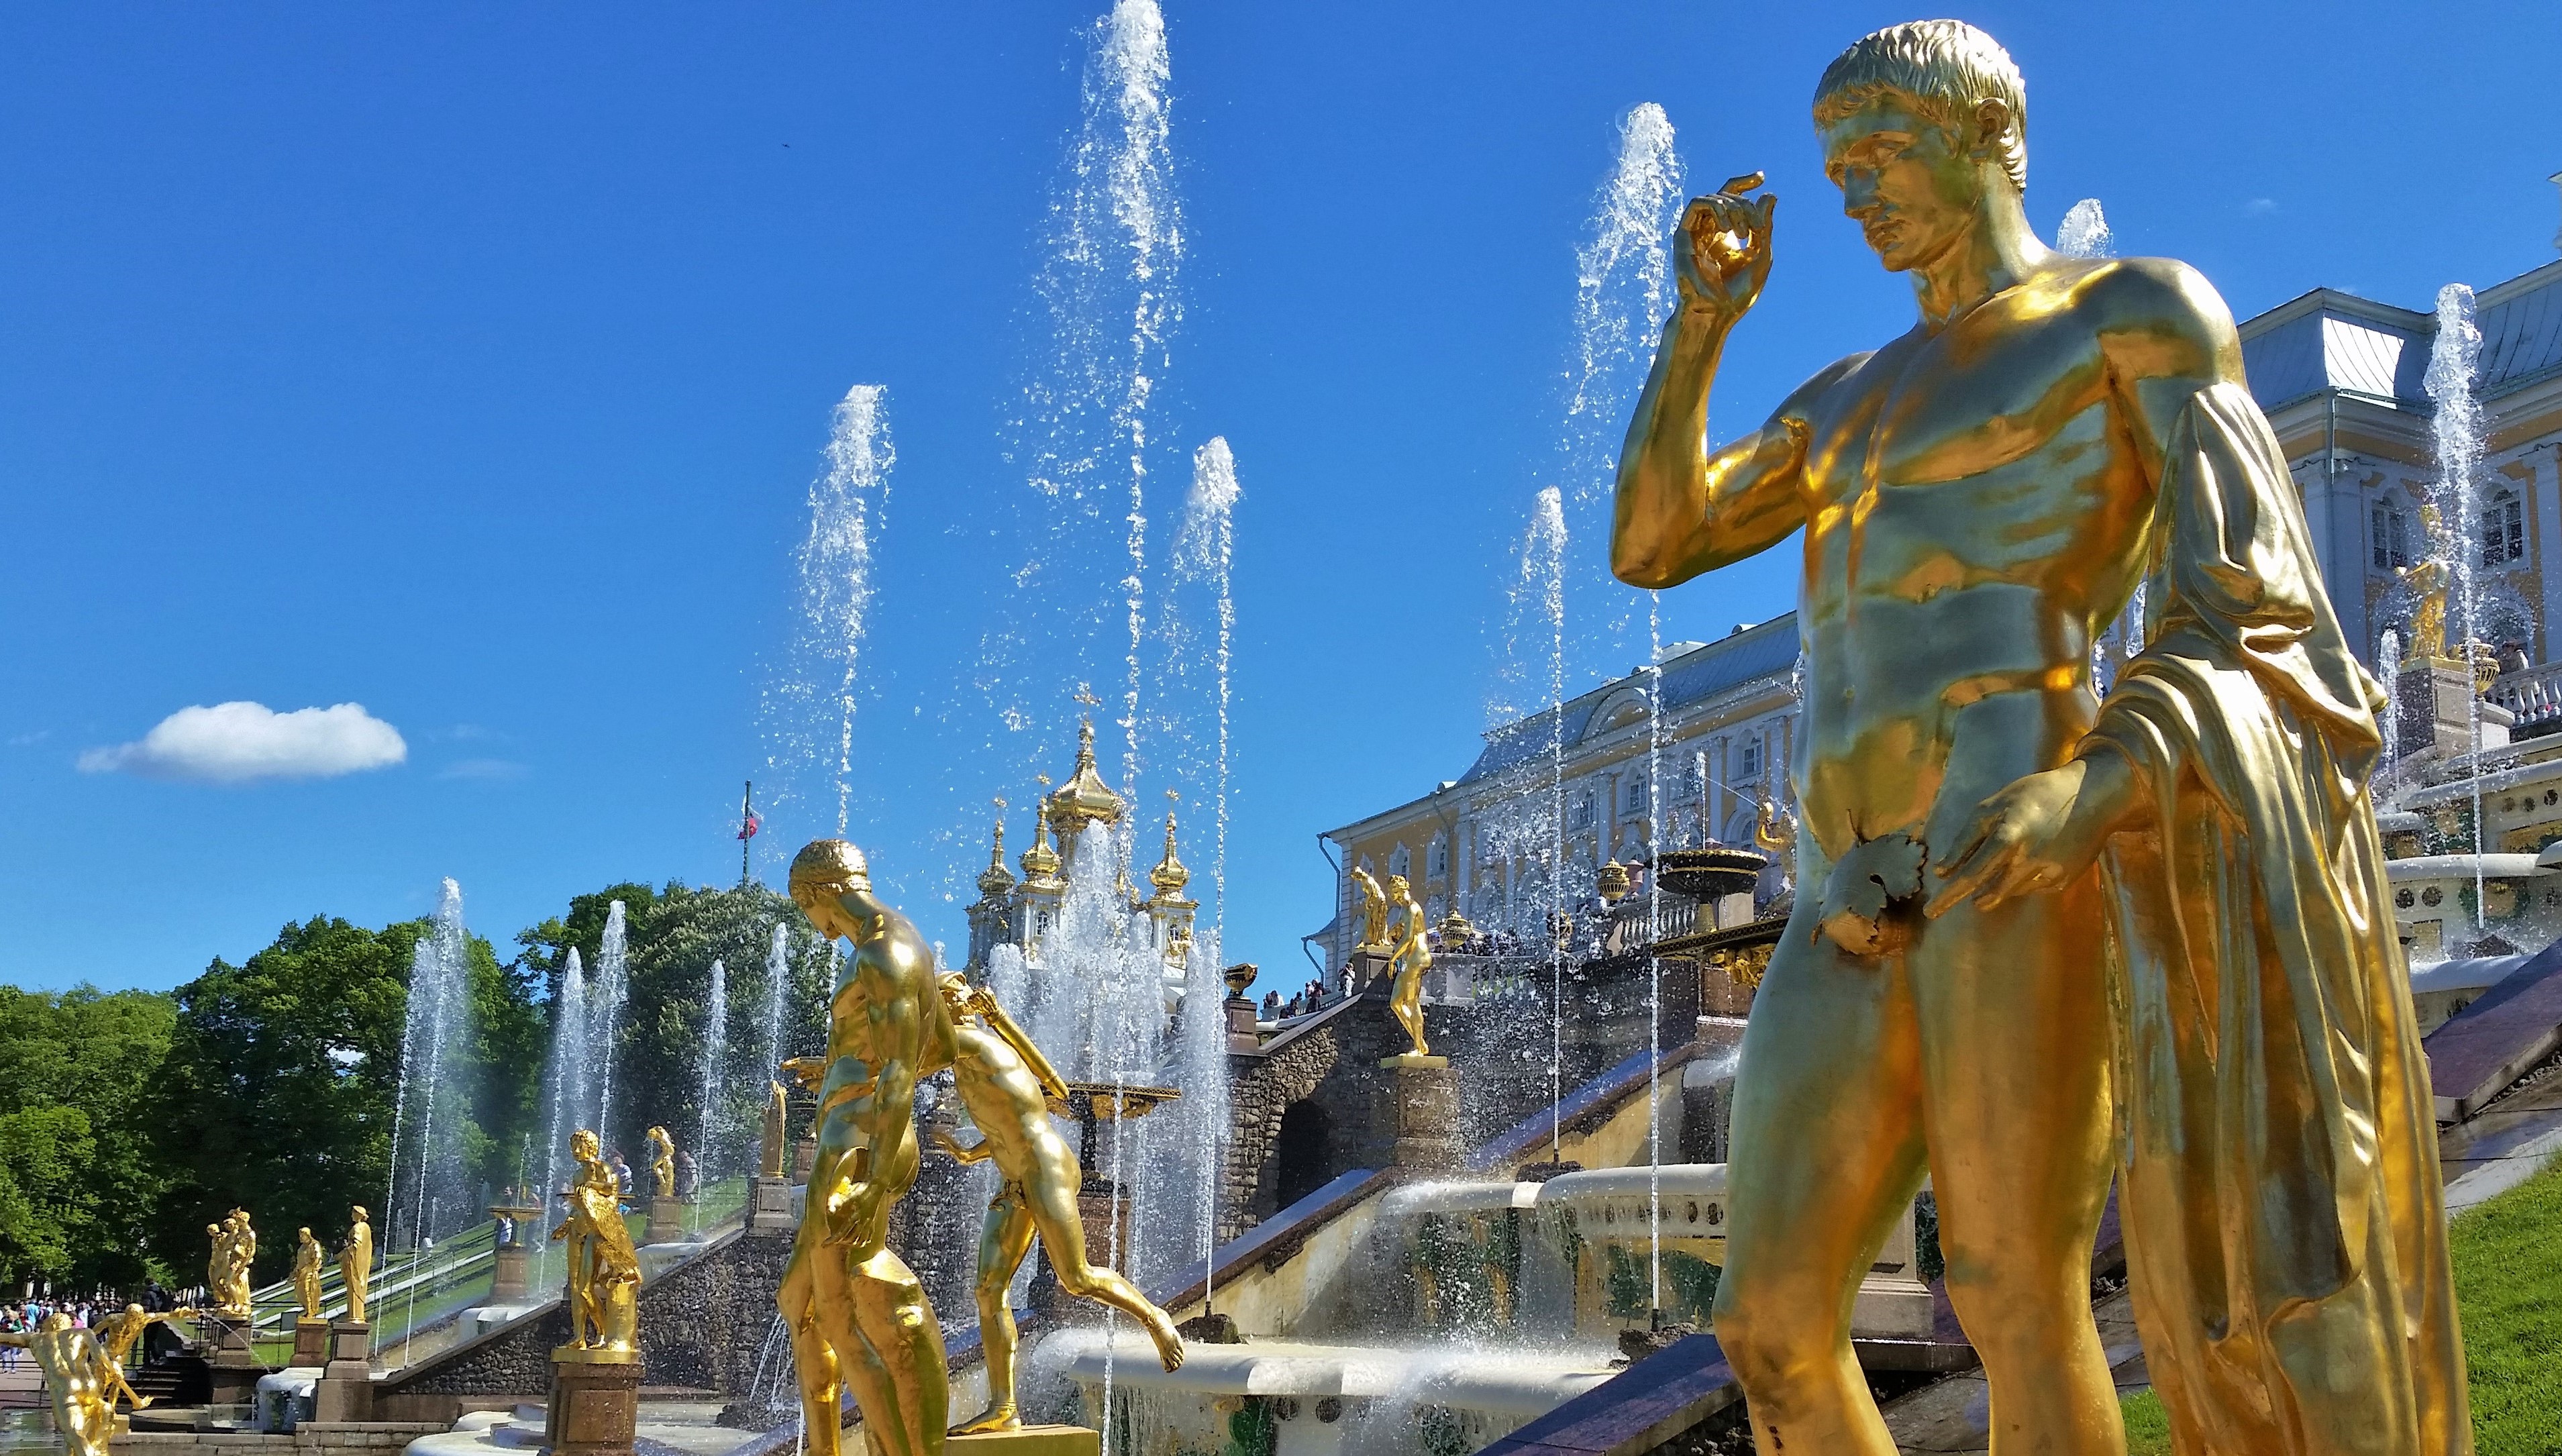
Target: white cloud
pixel 234 743
pixel 2260 207
pixel 483 767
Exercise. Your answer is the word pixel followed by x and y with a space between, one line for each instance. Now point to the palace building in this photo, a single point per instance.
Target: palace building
pixel 2343 380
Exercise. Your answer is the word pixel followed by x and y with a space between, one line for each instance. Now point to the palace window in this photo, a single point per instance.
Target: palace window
pixel 1748 759
pixel 1636 795
pixel 1398 861
pixel 1436 860
pixel 2504 529
pixel 2391 534
pixel 1581 816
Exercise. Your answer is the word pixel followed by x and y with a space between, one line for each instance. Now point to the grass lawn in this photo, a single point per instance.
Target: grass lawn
pixel 2509 1289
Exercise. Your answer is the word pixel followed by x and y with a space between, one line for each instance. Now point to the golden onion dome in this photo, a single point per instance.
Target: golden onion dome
pixel 1040 862
pixel 1084 799
pixel 995 879
pixel 1170 876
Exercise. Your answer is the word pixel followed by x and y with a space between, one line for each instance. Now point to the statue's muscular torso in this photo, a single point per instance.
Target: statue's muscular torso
pixel 1974 504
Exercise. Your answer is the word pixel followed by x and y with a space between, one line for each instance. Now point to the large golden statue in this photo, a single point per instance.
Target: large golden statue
pixel 1978 496
pixel 857 1315
pixel 117 1333
pixel 227 1270
pixel 1406 963
pixel 79 1379
pixel 306 1274
pixel 604 1268
pixel 356 1263
pixel 1009 1088
pixel 662 1163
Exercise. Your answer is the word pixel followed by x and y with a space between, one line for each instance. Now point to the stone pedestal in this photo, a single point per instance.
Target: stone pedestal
pixel 1416 1114
pixel 771 1208
pixel 666 1221
pixel 1242 1036
pixel 1032 1441
pixel 805 1158
pixel 512 1279
pixel 595 1403
pixel 310 1343
pixel 1892 1302
pixel 2433 710
pixel 232 1362
pixel 1368 964
pixel 346 1389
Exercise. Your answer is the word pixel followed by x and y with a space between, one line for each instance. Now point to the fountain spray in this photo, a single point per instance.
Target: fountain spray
pixel 2455 356
pixel 715 1066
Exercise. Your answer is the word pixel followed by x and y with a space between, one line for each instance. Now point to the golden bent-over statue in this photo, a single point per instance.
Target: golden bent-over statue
pixel 1374 910
pixel 662 1163
pixel 1009 1087
pixel 356 1263
pixel 306 1274
pixel 858 1317
pixel 1411 957
pixel 78 1377
pixel 1978 497
pixel 117 1333
pixel 604 1267
pixel 227 1271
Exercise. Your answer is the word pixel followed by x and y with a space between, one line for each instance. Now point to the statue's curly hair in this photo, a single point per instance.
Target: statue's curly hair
pixel 831 864
pixel 1944 68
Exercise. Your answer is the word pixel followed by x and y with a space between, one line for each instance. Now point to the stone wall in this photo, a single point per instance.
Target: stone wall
pixel 310 1438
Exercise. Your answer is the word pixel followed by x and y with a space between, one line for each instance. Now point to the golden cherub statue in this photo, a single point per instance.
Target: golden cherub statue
pixel 856 1313
pixel 356 1263
pixel 227 1271
pixel 1008 1086
pixel 1962 992
pixel 80 1377
pixel 1407 962
pixel 306 1274
pixel 663 1162
pixel 1374 910
pixel 604 1267
pixel 771 1153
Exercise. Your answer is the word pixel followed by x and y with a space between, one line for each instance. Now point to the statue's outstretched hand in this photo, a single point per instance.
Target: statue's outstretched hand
pixel 2042 833
pixel 1721 255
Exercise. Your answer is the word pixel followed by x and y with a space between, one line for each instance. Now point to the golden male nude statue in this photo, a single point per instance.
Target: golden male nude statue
pixel 1006 1085
pixel 1407 964
pixel 604 1267
pixel 117 1333
pixel 1998 872
pixel 79 1379
pixel 858 1318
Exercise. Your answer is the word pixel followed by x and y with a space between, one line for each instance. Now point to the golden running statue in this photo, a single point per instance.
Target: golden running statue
pixel 78 1377
pixel 770 1154
pixel 1412 958
pixel 604 1268
pixel 1978 496
pixel 356 1263
pixel 306 1274
pixel 227 1283
pixel 1374 910
pixel 1007 1087
pixel 117 1333
pixel 857 1315
pixel 663 1162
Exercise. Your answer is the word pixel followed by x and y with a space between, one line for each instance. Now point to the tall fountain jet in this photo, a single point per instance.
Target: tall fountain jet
pixel 708 1148
pixel 428 1196
pixel 2455 360
pixel 605 1015
pixel 566 1095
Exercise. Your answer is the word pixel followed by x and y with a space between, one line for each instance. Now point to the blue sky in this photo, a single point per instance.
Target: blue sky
pixel 471 363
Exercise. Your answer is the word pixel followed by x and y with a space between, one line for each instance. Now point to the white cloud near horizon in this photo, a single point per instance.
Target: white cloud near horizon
pixel 238 742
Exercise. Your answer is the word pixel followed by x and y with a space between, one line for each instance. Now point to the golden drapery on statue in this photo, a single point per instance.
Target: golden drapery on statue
pixel 356 1263
pixel 604 1267
pixel 2285 1220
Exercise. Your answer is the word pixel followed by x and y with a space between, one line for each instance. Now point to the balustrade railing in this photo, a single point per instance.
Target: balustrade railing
pixel 2534 695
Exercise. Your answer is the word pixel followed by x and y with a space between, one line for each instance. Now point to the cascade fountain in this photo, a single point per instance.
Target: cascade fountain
pixel 778 980
pixel 565 1078
pixel 2454 357
pixel 2388 670
pixel 604 1016
pixel 707 1142
pixel 428 1196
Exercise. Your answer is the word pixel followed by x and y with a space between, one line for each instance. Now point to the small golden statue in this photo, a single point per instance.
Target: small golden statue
pixel 78 1377
pixel 1008 1086
pixel 1412 958
pixel 227 1271
pixel 1373 911
pixel 771 1153
pixel 2424 585
pixel 356 1263
pixel 857 1315
pixel 604 1267
pixel 306 1274
pixel 117 1333
pixel 663 1162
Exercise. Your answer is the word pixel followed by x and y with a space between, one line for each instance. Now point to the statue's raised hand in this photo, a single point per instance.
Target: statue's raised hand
pixel 1723 252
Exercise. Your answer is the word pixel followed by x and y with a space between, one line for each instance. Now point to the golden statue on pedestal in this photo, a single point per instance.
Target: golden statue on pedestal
pixel 78 1377
pixel 604 1268
pixel 1009 1088
pixel 662 1163
pixel 356 1263
pixel 773 1148
pixel 2423 585
pixel 1407 962
pixel 2194 861
pixel 306 1274
pixel 227 1280
pixel 858 1319
pixel 1374 910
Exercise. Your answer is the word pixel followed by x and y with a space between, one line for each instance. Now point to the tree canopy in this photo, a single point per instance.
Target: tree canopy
pixel 78 1176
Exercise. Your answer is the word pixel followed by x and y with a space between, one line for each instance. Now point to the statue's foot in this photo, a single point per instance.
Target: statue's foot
pixel 143 1402
pixel 999 1417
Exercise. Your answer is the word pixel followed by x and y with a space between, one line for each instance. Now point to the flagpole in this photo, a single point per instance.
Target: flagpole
pixel 746 829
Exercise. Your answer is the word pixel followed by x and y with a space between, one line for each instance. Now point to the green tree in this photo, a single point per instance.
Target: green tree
pixel 78 1182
